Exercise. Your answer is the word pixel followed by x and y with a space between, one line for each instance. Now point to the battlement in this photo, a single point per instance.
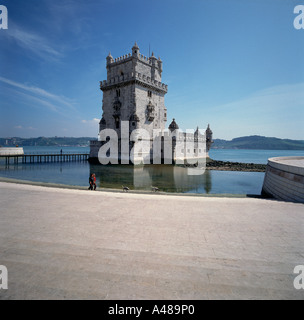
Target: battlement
pixel 127 57
pixel 121 58
pixel 133 76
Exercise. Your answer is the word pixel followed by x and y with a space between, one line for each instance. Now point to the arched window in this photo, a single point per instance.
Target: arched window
pixel 116 118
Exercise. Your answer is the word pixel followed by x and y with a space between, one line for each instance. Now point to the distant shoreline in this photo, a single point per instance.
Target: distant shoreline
pixel 242 143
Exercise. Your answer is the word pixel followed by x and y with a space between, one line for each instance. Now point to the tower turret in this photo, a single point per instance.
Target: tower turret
pixel 160 65
pixel 209 140
pixel 135 50
pixel 153 60
pixel 173 125
pixel 197 132
pixel 109 58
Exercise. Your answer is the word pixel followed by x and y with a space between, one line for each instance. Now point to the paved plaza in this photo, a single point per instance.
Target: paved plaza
pixel 77 244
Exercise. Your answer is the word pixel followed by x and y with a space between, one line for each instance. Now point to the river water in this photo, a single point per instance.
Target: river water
pixel 166 178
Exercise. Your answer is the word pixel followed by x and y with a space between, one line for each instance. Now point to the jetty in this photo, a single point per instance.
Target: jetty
pixel 44 158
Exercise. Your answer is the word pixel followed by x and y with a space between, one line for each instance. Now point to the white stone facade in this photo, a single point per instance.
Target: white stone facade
pixel 133 92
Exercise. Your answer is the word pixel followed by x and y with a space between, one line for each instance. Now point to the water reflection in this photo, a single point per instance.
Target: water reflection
pixel 165 177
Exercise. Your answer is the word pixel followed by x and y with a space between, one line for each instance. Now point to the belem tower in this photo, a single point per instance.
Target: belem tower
pixel 134 98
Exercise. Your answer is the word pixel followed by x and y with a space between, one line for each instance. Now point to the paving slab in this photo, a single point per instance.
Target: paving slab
pixel 78 244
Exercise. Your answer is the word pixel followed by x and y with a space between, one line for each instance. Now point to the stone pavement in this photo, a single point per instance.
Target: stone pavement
pixel 78 244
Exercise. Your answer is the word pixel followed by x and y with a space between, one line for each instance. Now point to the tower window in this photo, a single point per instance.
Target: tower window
pixel 118 93
pixel 149 94
pixel 117 123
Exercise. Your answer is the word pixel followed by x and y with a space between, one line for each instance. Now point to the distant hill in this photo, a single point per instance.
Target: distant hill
pixel 259 142
pixel 43 141
pixel 250 142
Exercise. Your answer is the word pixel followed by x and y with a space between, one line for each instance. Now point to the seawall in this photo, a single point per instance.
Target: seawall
pixel 284 179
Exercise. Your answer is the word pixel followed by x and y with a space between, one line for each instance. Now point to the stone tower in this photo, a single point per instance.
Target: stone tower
pixel 133 92
pixel 134 98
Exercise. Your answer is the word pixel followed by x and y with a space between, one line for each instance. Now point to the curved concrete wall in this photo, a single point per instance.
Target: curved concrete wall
pixel 284 179
pixel 11 151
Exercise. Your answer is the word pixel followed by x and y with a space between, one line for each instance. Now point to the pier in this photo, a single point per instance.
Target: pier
pixel 44 158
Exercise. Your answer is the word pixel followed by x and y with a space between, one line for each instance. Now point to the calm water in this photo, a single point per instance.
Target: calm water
pixel 166 178
pixel 251 156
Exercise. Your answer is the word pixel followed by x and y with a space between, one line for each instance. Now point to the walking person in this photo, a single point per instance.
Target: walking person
pixel 91 182
pixel 94 181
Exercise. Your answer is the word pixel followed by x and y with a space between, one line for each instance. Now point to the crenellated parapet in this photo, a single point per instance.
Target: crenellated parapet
pixel 128 57
pixel 118 60
pixel 133 76
pixel 137 62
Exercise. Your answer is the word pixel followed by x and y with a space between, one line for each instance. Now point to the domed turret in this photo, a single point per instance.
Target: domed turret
pixel 209 140
pixel 153 59
pixel 109 58
pixel 197 132
pixel 135 50
pixel 173 125
pixel 208 130
pixel 160 65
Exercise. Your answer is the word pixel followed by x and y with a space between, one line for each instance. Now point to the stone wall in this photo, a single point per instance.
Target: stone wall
pixel 126 99
pixel 284 179
pixel 157 100
pixel 119 69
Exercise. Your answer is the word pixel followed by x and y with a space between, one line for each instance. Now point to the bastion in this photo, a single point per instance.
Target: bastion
pixel 284 179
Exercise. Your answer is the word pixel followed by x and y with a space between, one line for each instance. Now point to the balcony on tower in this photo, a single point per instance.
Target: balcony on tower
pixel 150 111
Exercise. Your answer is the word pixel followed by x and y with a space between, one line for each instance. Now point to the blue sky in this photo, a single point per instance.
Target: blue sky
pixel 236 64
